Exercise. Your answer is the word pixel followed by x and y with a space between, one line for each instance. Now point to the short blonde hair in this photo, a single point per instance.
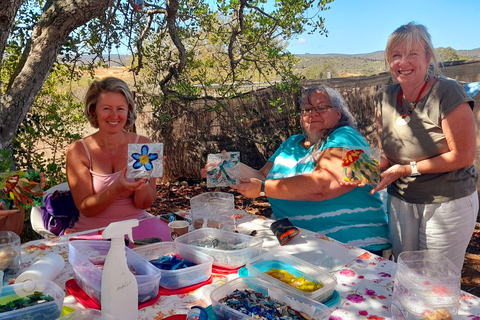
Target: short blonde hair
pixel 110 84
pixel 409 34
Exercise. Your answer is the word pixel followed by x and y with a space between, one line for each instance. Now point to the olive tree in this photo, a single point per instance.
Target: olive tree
pixel 178 47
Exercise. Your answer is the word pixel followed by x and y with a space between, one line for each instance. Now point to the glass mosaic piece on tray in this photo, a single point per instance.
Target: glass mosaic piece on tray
pixel 223 169
pixel 361 165
pixel 145 160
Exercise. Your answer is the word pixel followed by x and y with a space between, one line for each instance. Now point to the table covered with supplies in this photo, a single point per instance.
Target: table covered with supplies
pixel 363 290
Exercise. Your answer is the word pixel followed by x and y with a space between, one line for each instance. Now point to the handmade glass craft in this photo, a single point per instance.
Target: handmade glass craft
pixel 145 160
pixel 223 169
pixel 361 165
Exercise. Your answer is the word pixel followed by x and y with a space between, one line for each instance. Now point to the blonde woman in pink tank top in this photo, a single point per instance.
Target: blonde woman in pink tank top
pixel 96 164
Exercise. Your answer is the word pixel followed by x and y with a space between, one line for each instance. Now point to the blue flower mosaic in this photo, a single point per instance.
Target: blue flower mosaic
pixel 144 159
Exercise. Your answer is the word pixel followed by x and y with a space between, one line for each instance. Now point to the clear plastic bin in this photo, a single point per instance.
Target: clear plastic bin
pixel 257 267
pixel 176 279
pixel 401 312
pixel 429 274
pixel 213 210
pixel 10 253
pixel 247 247
pixel 315 310
pixel 428 267
pixel 425 281
pixel 45 311
pixel 86 255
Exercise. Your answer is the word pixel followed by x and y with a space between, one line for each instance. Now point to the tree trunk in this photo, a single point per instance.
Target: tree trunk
pixel 58 20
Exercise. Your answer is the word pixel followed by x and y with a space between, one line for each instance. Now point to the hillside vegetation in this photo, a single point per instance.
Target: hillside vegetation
pixel 317 66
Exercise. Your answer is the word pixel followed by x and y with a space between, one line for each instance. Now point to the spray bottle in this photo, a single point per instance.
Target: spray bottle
pixel 119 291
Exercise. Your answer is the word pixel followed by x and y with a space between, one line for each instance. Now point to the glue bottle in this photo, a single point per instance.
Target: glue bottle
pixel 119 290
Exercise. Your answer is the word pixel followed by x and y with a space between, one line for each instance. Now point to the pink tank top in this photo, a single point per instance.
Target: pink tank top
pixel 122 209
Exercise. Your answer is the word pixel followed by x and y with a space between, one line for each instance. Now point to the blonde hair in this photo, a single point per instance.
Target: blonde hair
pixel 109 84
pixel 409 34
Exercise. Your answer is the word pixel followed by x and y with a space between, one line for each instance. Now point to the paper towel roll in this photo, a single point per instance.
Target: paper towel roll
pixel 46 268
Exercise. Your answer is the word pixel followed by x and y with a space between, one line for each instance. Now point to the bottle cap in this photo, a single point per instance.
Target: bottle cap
pixel 197 313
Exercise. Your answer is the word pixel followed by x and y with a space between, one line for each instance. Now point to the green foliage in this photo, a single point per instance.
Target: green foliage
pixel 318 66
pixel 228 51
pixel 448 54
pixel 6 161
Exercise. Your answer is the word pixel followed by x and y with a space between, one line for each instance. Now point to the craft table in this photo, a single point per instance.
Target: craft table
pixel 365 281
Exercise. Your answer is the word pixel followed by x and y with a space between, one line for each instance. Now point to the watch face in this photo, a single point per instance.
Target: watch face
pixel 262 194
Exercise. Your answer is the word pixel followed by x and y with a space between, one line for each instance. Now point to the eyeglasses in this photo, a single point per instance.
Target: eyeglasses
pixel 318 109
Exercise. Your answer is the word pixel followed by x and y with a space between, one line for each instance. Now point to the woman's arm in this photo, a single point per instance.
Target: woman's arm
pixel 321 184
pixel 249 172
pixel 459 130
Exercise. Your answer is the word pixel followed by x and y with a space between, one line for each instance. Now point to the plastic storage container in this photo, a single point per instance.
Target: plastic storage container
pixel 210 241
pixel 257 267
pixel 45 311
pixel 425 281
pixel 176 279
pixel 86 255
pixel 10 253
pixel 213 210
pixel 315 310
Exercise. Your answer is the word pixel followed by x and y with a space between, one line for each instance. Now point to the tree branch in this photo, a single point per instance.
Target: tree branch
pixel 52 30
pixel 172 10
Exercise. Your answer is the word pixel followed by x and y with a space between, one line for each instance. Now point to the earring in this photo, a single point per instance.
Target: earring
pixel 427 77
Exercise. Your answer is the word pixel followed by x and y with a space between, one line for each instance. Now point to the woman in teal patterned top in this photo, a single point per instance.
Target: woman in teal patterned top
pixel 302 179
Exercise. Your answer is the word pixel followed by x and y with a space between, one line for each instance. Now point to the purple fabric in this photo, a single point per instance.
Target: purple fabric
pixel 59 212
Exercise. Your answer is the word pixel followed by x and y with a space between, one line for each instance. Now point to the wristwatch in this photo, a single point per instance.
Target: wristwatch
pixel 415 172
pixel 262 189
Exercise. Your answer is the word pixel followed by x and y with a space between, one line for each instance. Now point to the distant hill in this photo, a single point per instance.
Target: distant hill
pixel 318 66
pixel 315 66
pixel 472 54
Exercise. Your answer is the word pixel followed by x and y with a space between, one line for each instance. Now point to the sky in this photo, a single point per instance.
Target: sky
pixel 363 26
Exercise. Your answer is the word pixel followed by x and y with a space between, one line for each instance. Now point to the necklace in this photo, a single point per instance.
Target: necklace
pixel 405 117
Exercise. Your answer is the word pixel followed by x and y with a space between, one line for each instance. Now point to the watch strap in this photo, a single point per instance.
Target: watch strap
pixel 413 165
pixel 262 189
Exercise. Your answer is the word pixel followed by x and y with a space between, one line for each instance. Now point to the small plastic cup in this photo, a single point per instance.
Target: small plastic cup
pixel 178 228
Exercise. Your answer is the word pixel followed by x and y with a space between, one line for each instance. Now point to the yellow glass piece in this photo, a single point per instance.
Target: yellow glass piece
pixel 297 282
pixel 144 159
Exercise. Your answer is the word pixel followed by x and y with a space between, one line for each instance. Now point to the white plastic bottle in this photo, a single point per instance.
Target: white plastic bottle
pixel 119 291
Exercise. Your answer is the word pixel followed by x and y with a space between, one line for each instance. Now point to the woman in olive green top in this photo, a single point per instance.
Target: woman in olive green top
pixel 428 138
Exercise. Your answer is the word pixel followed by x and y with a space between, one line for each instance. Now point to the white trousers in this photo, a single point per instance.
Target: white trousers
pixel 443 227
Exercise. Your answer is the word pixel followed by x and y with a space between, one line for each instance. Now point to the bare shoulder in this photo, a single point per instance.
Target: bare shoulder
pixel 144 139
pixel 76 152
pixel 75 147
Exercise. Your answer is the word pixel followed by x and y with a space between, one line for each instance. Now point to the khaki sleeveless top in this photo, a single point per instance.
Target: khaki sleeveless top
pixel 423 138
